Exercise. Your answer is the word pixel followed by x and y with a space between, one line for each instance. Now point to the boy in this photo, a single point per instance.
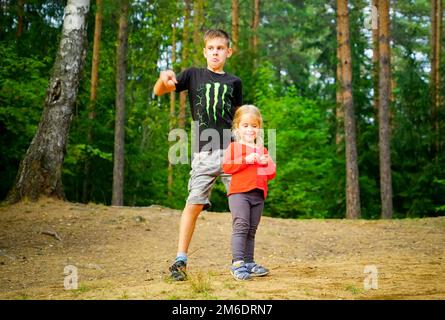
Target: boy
pixel 214 97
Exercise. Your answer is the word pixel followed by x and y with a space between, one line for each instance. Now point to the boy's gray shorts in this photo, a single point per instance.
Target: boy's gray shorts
pixel 206 167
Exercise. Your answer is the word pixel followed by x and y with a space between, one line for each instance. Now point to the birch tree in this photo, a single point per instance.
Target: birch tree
pixel 40 172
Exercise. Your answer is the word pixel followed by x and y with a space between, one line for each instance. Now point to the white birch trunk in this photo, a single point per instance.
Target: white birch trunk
pixel 40 172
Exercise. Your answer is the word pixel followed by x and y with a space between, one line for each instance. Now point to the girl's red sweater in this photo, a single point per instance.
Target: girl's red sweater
pixel 246 177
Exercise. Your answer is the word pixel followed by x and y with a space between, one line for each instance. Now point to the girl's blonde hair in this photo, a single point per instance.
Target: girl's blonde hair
pixel 255 112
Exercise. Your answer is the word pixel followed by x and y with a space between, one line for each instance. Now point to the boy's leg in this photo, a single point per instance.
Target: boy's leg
pixel 186 228
pixel 187 225
pixel 202 177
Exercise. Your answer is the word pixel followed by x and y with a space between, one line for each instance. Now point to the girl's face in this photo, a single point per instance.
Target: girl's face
pixel 248 128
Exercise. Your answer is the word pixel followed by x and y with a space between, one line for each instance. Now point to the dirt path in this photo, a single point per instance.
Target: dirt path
pixel 124 253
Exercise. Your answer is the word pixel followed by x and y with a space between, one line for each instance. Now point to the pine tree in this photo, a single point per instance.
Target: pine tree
pixel 352 174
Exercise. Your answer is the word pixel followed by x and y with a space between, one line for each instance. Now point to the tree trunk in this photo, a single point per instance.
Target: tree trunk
pixel 352 174
pixel 185 54
pixel 20 18
pixel 235 25
pixel 339 111
pixel 384 111
pixel 198 22
pixel 40 172
pixel 254 27
pixel 172 116
pixel 435 82
pixel 392 85
pixel 375 62
pixel 119 132
pixel 93 95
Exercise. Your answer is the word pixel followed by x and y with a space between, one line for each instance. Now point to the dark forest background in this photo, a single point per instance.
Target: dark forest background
pixel 285 54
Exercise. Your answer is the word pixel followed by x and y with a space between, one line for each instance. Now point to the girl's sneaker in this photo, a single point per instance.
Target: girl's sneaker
pixel 239 271
pixel 256 270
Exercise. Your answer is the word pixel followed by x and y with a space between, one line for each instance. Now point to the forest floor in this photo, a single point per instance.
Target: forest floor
pixel 124 253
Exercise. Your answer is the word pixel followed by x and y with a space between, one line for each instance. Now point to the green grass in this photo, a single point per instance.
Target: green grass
pixel 200 283
pixel 23 296
pixel 124 295
pixel 353 289
pixel 82 289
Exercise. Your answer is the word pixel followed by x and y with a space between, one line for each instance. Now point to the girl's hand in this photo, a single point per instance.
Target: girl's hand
pixel 264 159
pixel 252 158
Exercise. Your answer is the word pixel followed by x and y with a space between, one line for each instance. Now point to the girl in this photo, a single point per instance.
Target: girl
pixel 251 167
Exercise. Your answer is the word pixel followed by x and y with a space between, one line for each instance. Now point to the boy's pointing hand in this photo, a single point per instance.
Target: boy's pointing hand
pixel 168 77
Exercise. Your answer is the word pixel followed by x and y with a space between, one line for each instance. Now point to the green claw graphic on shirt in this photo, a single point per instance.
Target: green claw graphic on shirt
pixel 213 95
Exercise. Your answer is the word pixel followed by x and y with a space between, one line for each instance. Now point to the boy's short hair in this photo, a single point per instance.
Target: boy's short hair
pixel 216 33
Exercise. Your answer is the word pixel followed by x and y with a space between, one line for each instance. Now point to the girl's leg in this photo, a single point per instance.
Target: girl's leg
pixel 240 209
pixel 256 199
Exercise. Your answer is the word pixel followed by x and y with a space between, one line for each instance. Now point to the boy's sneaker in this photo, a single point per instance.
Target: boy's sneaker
pixel 177 270
pixel 256 270
pixel 239 271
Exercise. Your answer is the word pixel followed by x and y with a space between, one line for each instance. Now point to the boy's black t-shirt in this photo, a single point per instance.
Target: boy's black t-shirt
pixel 214 99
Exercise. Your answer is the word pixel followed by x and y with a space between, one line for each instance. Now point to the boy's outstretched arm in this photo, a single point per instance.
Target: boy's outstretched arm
pixel 166 83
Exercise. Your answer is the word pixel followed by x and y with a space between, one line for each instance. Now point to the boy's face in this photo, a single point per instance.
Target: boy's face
pixel 216 52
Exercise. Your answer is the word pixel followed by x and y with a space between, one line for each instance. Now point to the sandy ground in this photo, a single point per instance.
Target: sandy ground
pixel 124 253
